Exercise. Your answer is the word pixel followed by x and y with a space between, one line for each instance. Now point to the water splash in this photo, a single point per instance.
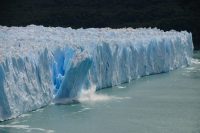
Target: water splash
pixel 90 95
pixel 195 61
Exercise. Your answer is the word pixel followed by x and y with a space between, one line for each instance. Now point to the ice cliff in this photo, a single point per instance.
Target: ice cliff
pixel 39 64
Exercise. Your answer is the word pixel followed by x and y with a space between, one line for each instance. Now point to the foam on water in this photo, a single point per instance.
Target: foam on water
pixel 121 87
pixel 83 110
pixel 25 115
pixel 27 128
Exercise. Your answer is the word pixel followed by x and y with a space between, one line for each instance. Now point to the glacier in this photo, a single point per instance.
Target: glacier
pixel 40 65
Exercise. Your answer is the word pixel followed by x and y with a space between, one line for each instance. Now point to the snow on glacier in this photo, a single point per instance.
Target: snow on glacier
pixel 39 64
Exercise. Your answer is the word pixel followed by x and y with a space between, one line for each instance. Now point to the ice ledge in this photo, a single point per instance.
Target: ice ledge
pixel 39 64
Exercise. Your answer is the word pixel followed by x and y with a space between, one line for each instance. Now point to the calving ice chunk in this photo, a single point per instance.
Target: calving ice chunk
pixel 40 65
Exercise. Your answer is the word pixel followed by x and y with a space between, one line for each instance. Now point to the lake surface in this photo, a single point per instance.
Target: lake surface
pixel 163 103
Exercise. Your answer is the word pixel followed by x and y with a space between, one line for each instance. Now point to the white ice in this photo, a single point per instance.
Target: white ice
pixel 39 64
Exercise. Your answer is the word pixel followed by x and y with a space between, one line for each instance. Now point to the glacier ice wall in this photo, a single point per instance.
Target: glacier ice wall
pixel 39 64
pixel 25 84
pixel 120 61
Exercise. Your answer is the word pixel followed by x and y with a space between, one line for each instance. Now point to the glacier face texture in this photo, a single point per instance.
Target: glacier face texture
pixel 39 64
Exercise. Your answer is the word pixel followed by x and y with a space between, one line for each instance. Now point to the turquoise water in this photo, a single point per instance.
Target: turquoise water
pixel 164 103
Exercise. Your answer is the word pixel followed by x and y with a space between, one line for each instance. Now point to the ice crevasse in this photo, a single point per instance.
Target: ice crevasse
pixel 39 64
